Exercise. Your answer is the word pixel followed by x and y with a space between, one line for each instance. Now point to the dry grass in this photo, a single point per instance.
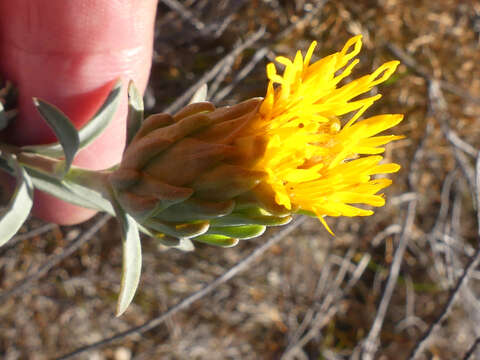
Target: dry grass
pixel 373 291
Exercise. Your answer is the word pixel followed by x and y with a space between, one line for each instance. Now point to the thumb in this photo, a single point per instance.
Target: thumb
pixel 69 53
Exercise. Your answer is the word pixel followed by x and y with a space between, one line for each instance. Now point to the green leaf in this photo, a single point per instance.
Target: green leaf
pixel 67 192
pixel 238 232
pixel 132 259
pixel 63 128
pixel 19 206
pixel 307 213
pixel 216 240
pixel 196 209
pixel 91 195
pixel 135 111
pixel 183 244
pixel 166 240
pixel 236 219
pixel 91 130
pixel 182 230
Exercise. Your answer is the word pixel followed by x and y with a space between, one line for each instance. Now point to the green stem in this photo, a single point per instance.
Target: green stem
pixel 94 180
pixel 42 163
pixel 53 169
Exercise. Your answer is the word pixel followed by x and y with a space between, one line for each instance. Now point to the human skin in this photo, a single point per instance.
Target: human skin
pixel 69 53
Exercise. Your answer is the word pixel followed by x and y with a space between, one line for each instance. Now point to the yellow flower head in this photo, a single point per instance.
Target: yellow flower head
pixel 317 160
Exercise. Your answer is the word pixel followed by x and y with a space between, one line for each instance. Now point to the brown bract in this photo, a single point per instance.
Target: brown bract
pixel 190 155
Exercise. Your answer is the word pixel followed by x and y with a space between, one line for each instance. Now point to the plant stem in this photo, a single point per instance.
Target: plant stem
pixel 53 168
pixel 94 180
pixel 42 163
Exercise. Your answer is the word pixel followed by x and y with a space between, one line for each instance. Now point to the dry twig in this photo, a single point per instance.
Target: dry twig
pixel 16 240
pixel 370 345
pixel 73 246
pixel 210 75
pixel 454 294
pixel 468 355
pixel 186 302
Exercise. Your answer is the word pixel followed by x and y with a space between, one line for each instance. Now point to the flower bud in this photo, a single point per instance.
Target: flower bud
pixel 221 174
pixel 181 172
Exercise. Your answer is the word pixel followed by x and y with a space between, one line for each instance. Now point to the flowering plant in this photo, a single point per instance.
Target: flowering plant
pixel 219 175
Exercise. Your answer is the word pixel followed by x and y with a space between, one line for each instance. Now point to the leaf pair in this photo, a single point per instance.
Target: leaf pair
pixel 71 140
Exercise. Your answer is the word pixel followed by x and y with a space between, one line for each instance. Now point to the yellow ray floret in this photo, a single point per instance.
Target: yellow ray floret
pixel 318 161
